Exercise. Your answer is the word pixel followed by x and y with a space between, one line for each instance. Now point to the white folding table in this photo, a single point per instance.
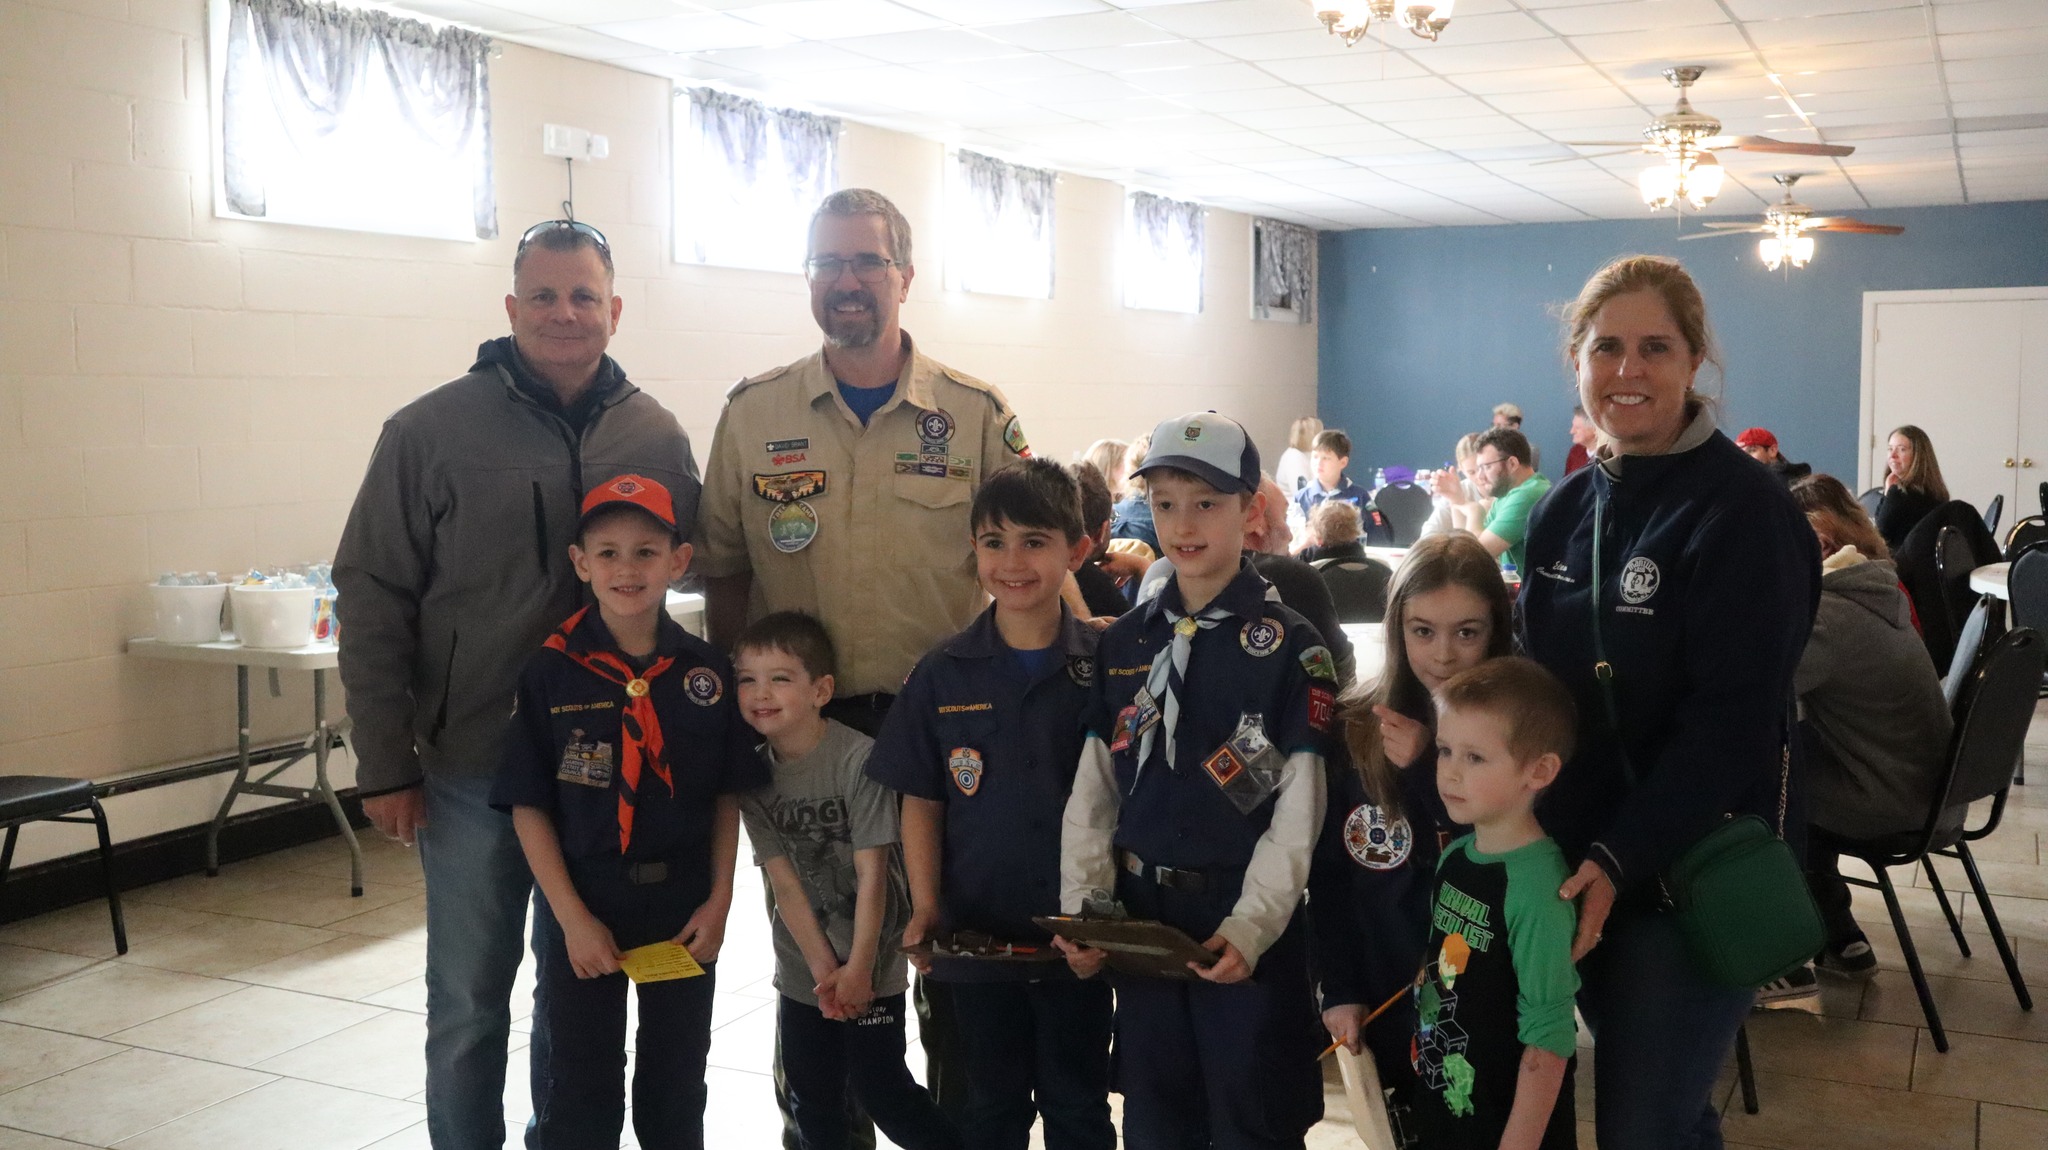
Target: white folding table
pixel 319 658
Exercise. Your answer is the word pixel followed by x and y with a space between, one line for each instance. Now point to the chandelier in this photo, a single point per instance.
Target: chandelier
pixel 1690 175
pixel 1349 20
pixel 1785 239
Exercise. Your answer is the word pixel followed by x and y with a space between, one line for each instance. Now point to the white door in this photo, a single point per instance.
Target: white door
pixel 1971 369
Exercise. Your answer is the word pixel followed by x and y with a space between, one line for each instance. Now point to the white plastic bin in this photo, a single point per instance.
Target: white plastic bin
pixel 188 614
pixel 274 617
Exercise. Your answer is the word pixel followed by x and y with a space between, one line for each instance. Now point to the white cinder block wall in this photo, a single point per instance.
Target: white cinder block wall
pixel 179 391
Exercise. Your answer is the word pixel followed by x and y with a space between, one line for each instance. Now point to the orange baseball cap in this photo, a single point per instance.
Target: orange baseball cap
pixel 635 491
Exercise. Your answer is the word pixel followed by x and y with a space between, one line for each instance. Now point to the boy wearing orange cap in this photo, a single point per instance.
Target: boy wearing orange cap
pixel 622 772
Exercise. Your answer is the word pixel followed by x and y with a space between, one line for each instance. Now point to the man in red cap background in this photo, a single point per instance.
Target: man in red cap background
pixel 1762 446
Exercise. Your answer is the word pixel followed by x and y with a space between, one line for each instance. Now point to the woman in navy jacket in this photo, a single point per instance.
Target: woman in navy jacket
pixel 1709 579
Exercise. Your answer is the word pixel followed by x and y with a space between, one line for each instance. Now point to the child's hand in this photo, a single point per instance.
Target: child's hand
pixel 1344 1022
pixel 920 930
pixel 704 934
pixel 1084 961
pixel 592 952
pixel 1402 737
pixel 855 990
pixel 1229 966
pixel 828 1001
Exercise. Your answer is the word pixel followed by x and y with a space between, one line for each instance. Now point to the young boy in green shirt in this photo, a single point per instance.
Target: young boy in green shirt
pixel 1494 1037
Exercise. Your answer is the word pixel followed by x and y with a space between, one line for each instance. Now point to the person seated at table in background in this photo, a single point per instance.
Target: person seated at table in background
pixel 623 764
pixel 1913 486
pixel 1295 469
pixel 1759 444
pixel 1131 517
pixel 1452 486
pixel 1507 416
pixel 1584 437
pixel 1335 533
pixel 1107 456
pixel 1330 459
pixel 1102 577
pixel 1502 466
pixel 1875 722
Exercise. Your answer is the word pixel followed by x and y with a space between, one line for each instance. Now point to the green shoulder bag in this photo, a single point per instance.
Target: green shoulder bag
pixel 1739 895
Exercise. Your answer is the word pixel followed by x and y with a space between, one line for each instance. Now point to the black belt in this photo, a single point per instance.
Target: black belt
pixel 645 873
pixel 1172 878
pixel 877 701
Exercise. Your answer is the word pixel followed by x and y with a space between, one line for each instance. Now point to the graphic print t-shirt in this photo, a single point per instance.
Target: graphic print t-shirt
pixel 819 810
pixel 1497 977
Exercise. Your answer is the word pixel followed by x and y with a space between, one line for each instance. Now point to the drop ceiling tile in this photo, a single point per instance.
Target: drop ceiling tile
pixel 1250 99
pixel 1343 69
pixel 578 42
pixel 1360 92
pixel 1441 108
pixel 1989 16
pixel 2028 107
pixel 976 12
pixel 1904 96
pixel 1634 16
pixel 1871 148
pixel 1848 28
pixel 703 31
pixel 1495 29
pixel 927 46
pixel 486 16
pixel 1229 18
pixel 1979 45
pixel 2031 67
pixel 801 58
pixel 1670 45
pixel 587 11
pixel 1314 116
pixel 1117 111
pixel 1338 136
pixel 1584 99
pixel 1232 77
pixel 2026 138
pixel 1863 79
pixel 1589 123
pixel 1142 57
pixel 834 19
pixel 1783 9
pixel 1310 41
pixel 1074 86
pixel 1879 116
pixel 687 68
pixel 1876 54
pixel 1559 79
pixel 1077 33
pixel 1454 60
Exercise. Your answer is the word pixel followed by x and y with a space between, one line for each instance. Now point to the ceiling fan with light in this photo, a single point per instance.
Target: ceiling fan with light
pixel 1785 226
pixel 1687 139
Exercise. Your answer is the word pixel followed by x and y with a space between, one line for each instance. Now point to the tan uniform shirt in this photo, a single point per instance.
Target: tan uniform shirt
pixel 866 528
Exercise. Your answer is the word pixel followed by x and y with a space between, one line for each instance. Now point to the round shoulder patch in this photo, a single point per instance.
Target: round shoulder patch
pixel 1374 842
pixel 1261 637
pixel 1081 669
pixel 703 686
pixel 1639 579
pixel 934 426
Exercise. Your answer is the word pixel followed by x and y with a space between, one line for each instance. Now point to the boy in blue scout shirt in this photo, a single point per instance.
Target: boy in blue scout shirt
pixel 982 743
pixel 1197 802
pixel 825 835
pixel 622 771
pixel 1494 1034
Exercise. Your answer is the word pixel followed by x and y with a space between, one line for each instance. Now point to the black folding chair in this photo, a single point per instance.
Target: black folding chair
pixel 1998 706
pixel 1992 511
pixel 1406 508
pixel 1871 501
pixel 54 799
pixel 1953 562
pixel 1358 587
pixel 1969 646
pixel 2029 532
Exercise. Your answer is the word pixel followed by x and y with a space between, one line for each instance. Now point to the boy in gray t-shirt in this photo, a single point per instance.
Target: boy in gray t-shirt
pixel 826 837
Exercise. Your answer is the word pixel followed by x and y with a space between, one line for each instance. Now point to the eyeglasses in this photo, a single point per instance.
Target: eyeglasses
pixel 1485 465
pixel 579 227
pixel 868 268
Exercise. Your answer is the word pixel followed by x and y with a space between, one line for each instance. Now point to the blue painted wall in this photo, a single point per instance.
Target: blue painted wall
pixel 1423 330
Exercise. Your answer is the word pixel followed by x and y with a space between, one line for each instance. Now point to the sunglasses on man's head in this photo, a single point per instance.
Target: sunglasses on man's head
pixel 545 226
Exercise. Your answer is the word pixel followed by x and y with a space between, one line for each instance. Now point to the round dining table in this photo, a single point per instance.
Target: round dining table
pixel 1990 579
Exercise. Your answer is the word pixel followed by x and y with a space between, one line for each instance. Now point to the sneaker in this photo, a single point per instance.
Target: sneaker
pixel 1853 959
pixel 1799 990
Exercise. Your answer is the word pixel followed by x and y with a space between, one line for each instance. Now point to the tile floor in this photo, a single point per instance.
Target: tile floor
pixel 267 1009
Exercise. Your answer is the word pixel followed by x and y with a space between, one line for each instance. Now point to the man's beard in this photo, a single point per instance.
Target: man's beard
pixel 852 331
pixel 1502 484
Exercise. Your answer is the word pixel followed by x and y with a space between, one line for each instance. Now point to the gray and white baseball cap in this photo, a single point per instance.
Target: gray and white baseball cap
pixel 1212 446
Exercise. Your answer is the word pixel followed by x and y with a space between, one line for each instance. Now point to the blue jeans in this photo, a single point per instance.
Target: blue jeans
pixel 477 890
pixel 1040 1049
pixel 1661 1032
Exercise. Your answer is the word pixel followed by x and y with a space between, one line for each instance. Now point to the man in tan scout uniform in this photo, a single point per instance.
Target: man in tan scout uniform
pixel 840 484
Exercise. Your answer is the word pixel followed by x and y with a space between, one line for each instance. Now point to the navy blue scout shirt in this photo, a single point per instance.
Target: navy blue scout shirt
pixel 999 746
pixel 1711 581
pixel 1279 674
pixel 562 751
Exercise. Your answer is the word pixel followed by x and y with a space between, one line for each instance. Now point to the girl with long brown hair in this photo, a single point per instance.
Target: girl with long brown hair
pixel 1913 486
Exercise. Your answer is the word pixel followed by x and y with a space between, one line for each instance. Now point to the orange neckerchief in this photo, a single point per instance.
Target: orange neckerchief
pixel 639 726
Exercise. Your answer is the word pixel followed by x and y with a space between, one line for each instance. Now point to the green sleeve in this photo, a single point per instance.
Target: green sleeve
pixel 1540 928
pixel 1509 515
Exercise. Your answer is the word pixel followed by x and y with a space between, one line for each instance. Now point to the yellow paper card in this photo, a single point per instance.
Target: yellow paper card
pixel 659 962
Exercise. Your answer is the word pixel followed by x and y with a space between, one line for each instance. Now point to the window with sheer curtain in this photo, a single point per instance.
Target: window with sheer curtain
pixel 999 238
pixel 747 179
pixel 341 117
pixel 1283 271
pixel 1163 248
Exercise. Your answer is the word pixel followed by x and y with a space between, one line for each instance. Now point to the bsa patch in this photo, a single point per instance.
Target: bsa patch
pixel 1224 766
pixel 1375 842
pixel 1261 637
pixel 1319 665
pixel 934 429
pixel 1120 738
pixel 1322 707
pixel 1081 669
pixel 778 446
pixel 792 526
pixel 703 686
pixel 1639 579
pixel 1013 438
pixel 585 762
pixel 964 764
pixel 790 486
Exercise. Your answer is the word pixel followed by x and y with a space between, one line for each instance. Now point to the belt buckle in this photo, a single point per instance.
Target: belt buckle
pixel 1175 878
pixel 646 873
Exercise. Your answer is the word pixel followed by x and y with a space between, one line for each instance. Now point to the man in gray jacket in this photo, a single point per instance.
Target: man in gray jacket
pixel 452 568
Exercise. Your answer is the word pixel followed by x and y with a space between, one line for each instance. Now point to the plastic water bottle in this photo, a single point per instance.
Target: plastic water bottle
pixel 1379 478
pixel 1510 576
